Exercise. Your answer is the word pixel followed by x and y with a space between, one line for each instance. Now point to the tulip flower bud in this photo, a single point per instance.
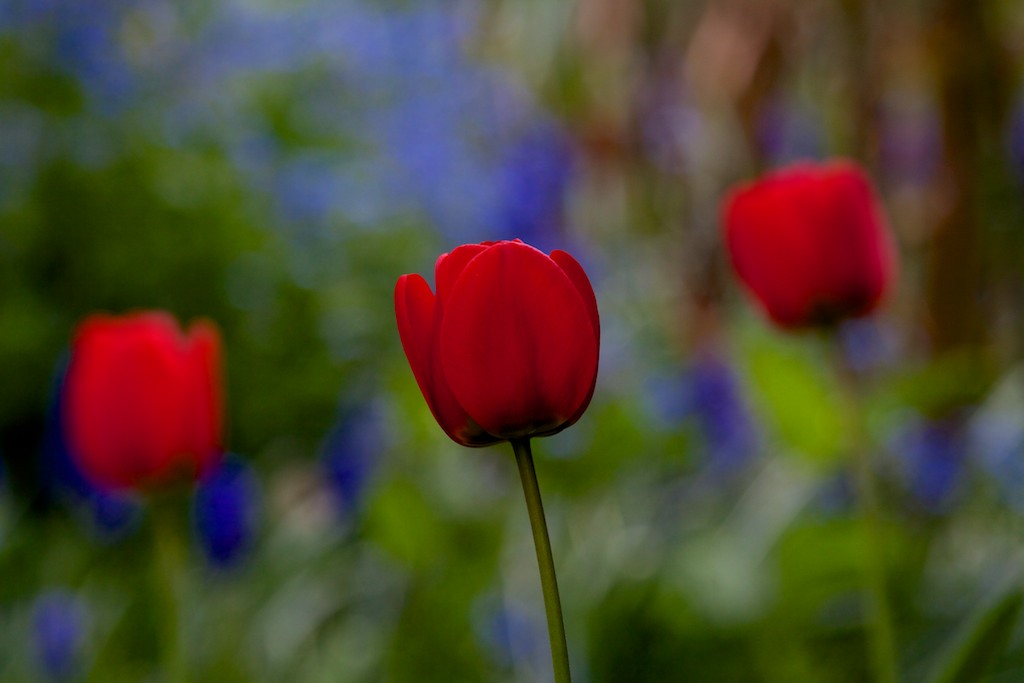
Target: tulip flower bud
pixel 508 347
pixel 811 244
pixel 142 400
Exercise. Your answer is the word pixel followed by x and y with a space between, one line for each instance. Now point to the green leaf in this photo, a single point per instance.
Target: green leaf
pixel 797 395
pixel 975 648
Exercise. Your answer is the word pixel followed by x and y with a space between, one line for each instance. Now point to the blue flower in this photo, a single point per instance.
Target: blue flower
pixel 787 132
pixel 512 636
pixel 868 344
pixel 720 411
pixel 911 140
pixel 86 45
pixel 932 456
pixel 996 437
pixel 59 629
pixel 535 178
pixel 708 397
pixel 351 453
pixel 226 512
pixel 1015 138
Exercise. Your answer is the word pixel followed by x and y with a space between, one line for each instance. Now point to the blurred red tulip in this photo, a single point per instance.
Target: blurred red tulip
pixel 508 349
pixel 811 243
pixel 143 401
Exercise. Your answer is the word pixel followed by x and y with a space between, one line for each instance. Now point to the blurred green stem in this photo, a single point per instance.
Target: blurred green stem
pixel 167 572
pixel 880 631
pixel 546 563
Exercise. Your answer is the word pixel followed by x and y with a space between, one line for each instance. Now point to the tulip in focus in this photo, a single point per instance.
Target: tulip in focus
pixel 142 400
pixel 811 243
pixel 506 350
pixel 508 347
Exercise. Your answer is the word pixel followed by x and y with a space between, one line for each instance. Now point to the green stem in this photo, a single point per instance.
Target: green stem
pixel 545 562
pixel 167 568
pixel 881 638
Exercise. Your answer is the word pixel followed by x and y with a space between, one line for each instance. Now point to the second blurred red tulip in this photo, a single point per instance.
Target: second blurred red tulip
pixel 143 400
pixel 811 243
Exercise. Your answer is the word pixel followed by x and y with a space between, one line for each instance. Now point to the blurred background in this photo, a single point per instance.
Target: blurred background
pixel 275 166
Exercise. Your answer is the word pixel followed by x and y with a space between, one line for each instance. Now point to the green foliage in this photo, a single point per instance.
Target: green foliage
pixel 798 395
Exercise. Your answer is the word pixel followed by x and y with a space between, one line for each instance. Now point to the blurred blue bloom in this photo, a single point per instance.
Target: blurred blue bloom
pixel 996 436
pixel 709 396
pixel 444 173
pixel 109 515
pixel 87 45
pixel 226 512
pixel 351 452
pixel 787 132
pixel 717 403
pixel 1015 138
pixel 536 174
pixel 868 344
pixel 404 121
pixel 837 495
pixel 910 147
pixel 59 630
pixel 306 190
pixel 668 121
pixel 931 457
pixel 512 636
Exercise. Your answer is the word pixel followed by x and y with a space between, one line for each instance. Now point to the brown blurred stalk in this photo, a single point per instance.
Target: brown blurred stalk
pixel 972 88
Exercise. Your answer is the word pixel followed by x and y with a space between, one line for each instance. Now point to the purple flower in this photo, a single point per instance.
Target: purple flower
pixel 59 630
pixel 226 512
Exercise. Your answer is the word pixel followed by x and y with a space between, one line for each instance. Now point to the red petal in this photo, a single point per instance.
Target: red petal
pixel 810 242
pixel 125 399
pixel 862 257
pixel 518 346
pixel 417 313
pixel 414 311
pixel 450 266
pixel 579 278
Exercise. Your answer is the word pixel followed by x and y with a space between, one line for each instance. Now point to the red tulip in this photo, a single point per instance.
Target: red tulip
pixel 811 244
pixel 142 401
pixel 508 348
